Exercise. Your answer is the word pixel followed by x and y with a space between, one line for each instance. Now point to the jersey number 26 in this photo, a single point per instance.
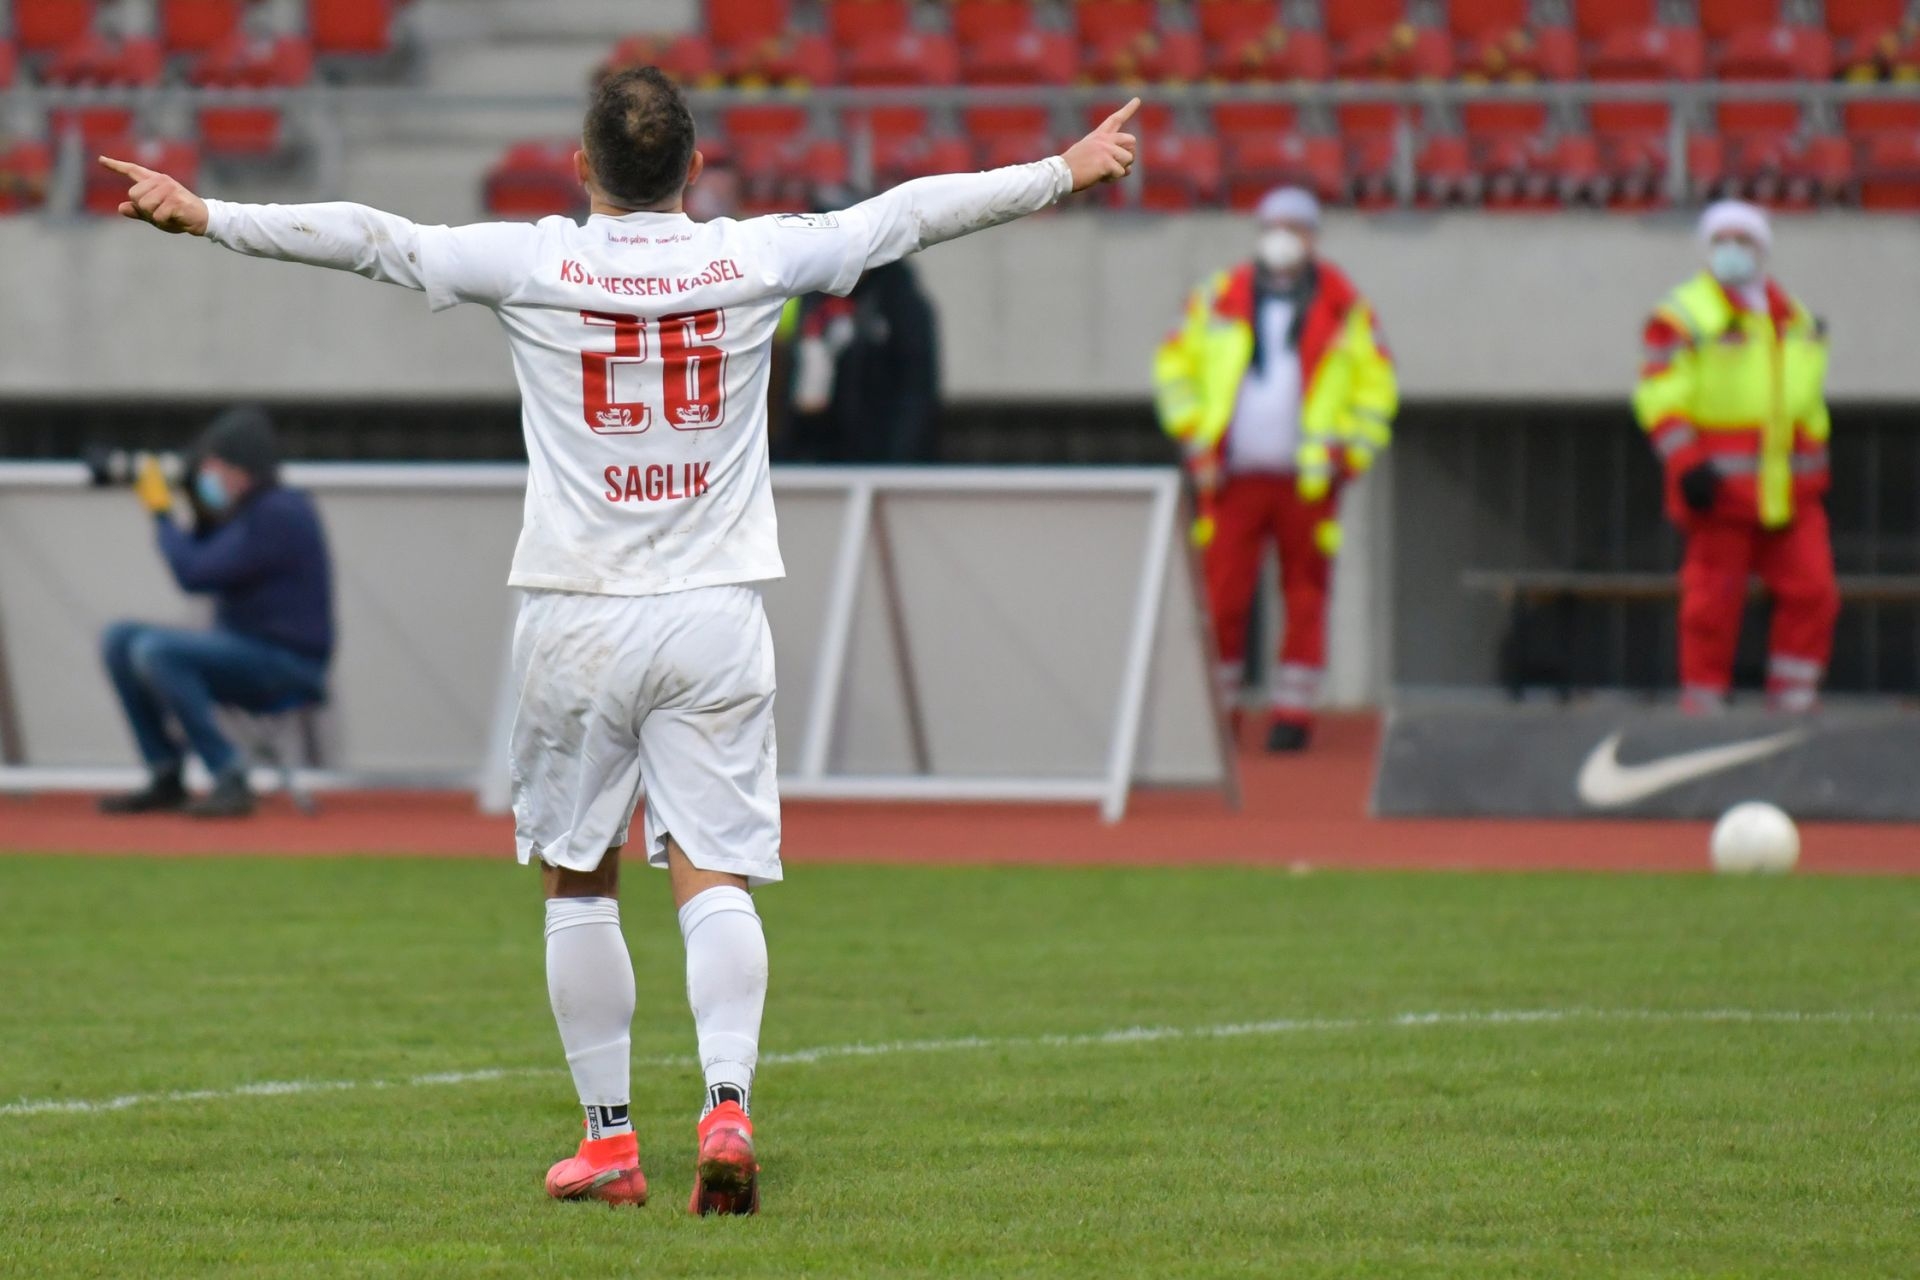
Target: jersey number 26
pixel 693 373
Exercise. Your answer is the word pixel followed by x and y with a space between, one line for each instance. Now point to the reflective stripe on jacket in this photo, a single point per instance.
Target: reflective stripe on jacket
pixel 1742 389
pixel 1351 394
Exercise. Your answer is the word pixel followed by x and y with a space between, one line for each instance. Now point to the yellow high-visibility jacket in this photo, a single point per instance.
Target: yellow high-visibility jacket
pixel 1742 389
pixel 1346 413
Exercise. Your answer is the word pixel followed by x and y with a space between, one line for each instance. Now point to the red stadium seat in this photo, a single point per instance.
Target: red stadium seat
pixel 983 122
pixel 849 21
pixel 1519 53
pixel 1025 57
pixel 803 59
pixel 1273 53
pixel 1886 115
pixel 9 64
pixel 1530 172
pixel 689 59
pixel 1372 157
pixel 195 26
pixel 734 24
pixel 1775 53
pixel 248 64
pixel 1720 19
pixel 1098 20
pixel 1395 53
pixel 25 168
pixel 1647 54
pixel 1476 19
pixel 43 26
pixel 1235 120
pixel 1495 118
pixel 1598 19
pixel 787 173
pixel 1232 21
pixel 1354 19
pixel 1634 165
pixel 1790 173
pixel 1158 56
pixel 908 59
pixel 1890 173
pixel 1120 40
pixel 1850 19
pixel 1179 171
pixel 104 190
pixel 903 159
pixel 1445 172
pixel 533 180
pixel 904 144
pixel 1008 135
pixel 978 19
pixel 96 60
pixel 1256 164
pixel 775 121
pixel 350 28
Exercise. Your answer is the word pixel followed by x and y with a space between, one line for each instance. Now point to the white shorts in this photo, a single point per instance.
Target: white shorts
pixel 673 692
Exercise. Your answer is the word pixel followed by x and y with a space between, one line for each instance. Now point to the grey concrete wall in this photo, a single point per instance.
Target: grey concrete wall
pixel 1068 306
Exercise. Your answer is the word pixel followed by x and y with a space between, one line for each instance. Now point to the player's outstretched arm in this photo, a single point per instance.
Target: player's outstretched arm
pixel 928 211
pixel 345 237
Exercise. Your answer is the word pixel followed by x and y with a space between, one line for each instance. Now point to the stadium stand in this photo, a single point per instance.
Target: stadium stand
pixel 1510 104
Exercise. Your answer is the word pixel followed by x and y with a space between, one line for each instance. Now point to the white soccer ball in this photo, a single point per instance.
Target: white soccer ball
pixel 1754 837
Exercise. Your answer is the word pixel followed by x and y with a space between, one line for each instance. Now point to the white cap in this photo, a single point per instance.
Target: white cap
pixel 1749 220
pixel 1289 204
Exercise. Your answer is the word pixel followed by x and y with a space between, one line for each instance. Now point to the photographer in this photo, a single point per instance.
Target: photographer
pixel 259 550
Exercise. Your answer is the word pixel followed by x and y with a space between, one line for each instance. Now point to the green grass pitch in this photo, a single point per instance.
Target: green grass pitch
pixel 1622 1118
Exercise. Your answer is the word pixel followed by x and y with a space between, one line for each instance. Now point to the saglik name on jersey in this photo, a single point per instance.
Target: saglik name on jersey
pixel 656 482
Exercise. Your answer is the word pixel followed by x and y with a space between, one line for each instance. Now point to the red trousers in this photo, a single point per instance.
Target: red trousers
pixel 1796 564
pixel 1249 512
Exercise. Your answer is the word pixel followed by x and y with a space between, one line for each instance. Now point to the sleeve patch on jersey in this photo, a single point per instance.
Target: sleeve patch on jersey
pixel 817 221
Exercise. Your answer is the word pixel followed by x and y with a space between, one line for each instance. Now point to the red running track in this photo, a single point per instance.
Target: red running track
pixel 1308 809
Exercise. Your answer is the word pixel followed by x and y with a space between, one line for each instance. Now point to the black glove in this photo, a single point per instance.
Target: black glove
pixel 1699 485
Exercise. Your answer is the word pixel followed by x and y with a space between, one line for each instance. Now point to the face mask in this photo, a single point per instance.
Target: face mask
pixel 1280 249
pixel 211 490
pixel 1733 263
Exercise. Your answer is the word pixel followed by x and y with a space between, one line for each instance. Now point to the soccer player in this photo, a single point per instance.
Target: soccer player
pixel 640 341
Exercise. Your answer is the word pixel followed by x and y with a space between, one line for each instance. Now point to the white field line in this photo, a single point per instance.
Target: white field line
pixel 890 1048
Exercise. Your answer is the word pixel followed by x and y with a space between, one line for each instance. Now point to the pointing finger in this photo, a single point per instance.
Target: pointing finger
pixel 127 168
pixel 1113 122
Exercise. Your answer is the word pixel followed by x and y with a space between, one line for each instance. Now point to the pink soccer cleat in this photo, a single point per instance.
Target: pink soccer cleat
pixel 604 1169
pixel 726 1178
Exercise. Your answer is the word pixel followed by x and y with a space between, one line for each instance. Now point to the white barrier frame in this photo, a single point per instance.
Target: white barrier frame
pixel 1161 487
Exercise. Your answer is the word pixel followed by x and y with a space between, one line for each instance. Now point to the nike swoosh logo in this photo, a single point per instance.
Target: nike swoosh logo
pixel 1605 783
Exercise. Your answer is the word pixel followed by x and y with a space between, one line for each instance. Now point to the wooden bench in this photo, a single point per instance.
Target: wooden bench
pixel 1537 598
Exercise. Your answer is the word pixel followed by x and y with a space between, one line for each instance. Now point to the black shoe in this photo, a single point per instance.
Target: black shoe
pixel 231 797
pixel 1285 735
pixel 161 795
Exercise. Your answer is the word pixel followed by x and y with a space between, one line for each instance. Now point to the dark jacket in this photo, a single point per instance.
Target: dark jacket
pixel 267 566
pixel 886 379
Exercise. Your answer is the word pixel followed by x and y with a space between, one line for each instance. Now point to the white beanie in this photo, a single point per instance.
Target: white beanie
pixel 1736 215
pixel 1289 204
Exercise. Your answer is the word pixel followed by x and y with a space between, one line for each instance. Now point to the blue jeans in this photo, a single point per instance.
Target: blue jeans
pixel 162 673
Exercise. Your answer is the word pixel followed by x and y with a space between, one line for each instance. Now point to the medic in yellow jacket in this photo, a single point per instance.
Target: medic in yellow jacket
pixel 1279 390
pixel 1732 398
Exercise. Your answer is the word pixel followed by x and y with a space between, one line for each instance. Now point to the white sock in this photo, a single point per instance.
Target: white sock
pixel 590 983
pixel 727 987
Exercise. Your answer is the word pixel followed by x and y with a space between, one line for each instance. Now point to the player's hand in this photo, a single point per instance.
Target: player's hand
pixel 158 199
pixel 1106 154
pixel 150 486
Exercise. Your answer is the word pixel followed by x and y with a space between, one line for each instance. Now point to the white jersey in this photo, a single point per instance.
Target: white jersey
pixel 641 345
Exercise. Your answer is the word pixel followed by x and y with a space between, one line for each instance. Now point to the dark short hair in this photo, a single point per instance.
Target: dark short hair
pixel 638 137
pixel 243 437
